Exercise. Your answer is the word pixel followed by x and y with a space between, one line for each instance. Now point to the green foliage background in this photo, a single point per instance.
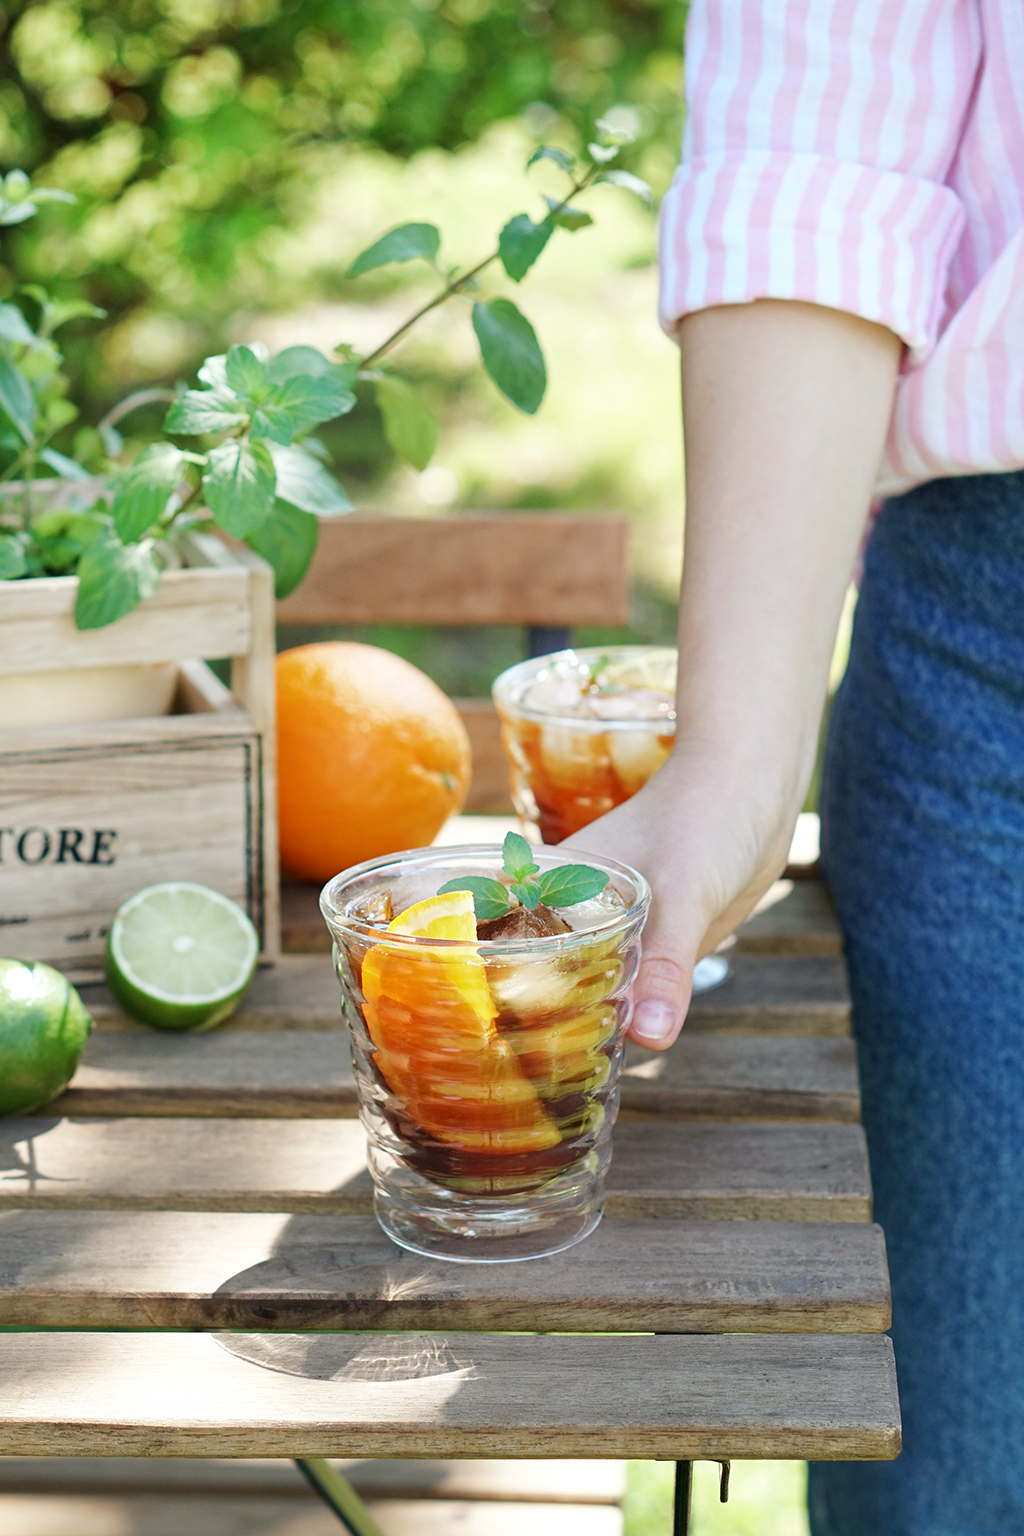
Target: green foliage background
pixel 195 131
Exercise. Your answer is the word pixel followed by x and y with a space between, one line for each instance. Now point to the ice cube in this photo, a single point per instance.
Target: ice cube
pixel 634 704
pixel 534 986
pixel 521 923
pixel 556 694
pixel 375 909
pixel 636 756
pixel 575 760
pixel 590 914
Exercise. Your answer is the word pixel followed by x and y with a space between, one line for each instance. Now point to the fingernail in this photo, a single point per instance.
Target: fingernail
pixel 653 1019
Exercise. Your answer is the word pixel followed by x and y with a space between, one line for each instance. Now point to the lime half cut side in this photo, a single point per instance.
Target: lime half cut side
pixel 180 956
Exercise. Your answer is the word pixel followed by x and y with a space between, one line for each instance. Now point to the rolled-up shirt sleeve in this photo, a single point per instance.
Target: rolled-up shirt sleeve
pixel 820 140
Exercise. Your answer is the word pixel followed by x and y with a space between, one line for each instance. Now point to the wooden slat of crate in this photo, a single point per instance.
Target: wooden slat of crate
pixel 142 1515
pixel 300 1075
pixel 554 1482
pixel 467 568
pixel 793 917
pixel 662 1168
pixel 106 805
pixel 765 994
pixel 168 1269
pixel 823 1397
pixel 191 613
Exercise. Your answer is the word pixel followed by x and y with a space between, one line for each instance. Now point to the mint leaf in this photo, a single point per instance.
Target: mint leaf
pixel 214 371
pixel 142 491
pixel 528 892
pixel 630 182
pixel 310 398
pixel 17 399
pixel 68 469
pixel 295 360
pixel 517 857
pixel 239 486
pixel 14 327
pixel 60 311
pixel 566 217
pixel 246 374
pixel 205 410
pixel 304 482
pixel 490 897
pixel 613 133
pixel 570 883
pixel 113 578
pixel 12 557
pixel 564 161
pixel 402 244
pixel 511 353
pixel 408 425
pixel 521 242
pixel 286 538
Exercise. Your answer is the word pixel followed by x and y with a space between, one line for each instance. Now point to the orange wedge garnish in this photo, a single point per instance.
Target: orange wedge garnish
pixel 431 1016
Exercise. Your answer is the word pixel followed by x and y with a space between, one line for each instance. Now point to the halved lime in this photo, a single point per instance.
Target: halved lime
pixel 180 956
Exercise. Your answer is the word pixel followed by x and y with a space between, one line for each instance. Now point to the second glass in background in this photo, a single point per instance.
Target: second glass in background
pixel 583 730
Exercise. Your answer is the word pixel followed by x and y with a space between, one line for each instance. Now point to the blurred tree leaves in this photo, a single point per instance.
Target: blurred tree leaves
pixel 194 123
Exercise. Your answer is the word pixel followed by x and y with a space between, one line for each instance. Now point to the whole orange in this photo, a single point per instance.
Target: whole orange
pixel 371 756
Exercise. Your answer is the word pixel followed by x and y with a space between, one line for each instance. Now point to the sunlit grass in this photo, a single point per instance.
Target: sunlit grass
pixel 766 1498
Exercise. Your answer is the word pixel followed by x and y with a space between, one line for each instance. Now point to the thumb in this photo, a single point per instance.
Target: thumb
pixel 664 982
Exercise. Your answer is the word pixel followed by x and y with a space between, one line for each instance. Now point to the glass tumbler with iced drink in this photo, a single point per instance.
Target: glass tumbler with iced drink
pixel 486 992
pixel 583 731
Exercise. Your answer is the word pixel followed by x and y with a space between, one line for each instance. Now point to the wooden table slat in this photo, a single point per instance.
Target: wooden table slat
pixel 677 1396
pixel 308 1075
pixel 660 1168
pixel 794 917
pixel 145 1269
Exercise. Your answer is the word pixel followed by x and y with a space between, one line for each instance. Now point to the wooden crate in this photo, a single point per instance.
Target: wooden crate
pixel 89 814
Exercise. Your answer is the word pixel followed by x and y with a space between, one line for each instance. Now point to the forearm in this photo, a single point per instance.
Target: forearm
pixel 785 408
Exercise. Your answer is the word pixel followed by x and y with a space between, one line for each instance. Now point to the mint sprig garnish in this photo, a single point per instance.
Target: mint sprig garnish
pixel 564 886
pixel 490 897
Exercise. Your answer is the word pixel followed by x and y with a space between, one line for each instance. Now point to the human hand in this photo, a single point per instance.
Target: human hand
pixel 710 834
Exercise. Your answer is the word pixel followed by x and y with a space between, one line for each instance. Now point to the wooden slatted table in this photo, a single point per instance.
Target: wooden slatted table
pixel 211 1192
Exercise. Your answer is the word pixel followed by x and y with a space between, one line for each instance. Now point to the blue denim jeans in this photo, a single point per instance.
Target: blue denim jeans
pixel 923 844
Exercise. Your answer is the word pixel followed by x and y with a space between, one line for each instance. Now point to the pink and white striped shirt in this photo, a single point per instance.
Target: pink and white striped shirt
pixel 868 155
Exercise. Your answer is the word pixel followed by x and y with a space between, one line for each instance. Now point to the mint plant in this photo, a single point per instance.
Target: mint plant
pixel 251 464
pixel 564 886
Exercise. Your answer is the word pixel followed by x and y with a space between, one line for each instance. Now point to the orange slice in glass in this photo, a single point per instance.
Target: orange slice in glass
pixel 430 1015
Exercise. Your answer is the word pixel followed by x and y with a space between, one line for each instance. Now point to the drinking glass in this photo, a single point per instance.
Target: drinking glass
pixel 583 730
pixel 487 1072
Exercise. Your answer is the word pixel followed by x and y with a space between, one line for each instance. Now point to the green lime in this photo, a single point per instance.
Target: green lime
pixel 180 956
pixel 43 1027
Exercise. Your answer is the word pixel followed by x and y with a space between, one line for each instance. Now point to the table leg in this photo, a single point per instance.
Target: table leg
pixel 338 1494
pixel 684 1490
pixel 681 1504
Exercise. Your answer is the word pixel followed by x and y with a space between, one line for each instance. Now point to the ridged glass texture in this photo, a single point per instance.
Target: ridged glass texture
pixel 487 1073
pixel 564 770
